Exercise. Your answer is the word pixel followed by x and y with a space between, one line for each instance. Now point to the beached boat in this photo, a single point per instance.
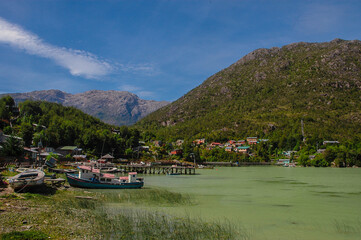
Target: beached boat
pixel 89 177
pixel 27 179
pixel 20 170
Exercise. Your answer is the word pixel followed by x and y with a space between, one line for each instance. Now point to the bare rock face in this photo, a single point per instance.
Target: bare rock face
pixel 113 107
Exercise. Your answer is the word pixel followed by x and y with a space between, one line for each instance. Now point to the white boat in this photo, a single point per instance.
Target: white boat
pixel 27 179
pixel 20 170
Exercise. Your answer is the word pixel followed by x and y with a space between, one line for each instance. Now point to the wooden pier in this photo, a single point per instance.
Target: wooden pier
pixel 142 169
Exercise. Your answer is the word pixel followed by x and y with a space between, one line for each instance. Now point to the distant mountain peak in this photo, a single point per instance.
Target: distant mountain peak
pixel 113 107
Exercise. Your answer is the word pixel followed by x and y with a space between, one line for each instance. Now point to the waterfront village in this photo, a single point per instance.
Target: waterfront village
pixel 229 153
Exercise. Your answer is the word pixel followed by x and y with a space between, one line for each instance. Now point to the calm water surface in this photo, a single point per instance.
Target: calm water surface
pixel 273 202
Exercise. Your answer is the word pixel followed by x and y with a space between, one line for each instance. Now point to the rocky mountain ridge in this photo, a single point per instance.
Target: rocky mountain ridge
pixel 113 107
pixel 269 91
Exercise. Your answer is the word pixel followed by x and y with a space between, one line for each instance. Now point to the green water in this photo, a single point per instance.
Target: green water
pixel 273 202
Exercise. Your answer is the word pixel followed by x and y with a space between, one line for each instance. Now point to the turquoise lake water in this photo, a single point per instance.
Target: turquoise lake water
pixel 273 202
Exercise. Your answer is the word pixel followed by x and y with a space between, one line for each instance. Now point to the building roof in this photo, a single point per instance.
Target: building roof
pixel 107 156
pixel 72 148
pixel 246 147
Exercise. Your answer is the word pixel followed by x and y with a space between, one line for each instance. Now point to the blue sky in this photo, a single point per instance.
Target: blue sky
pixel 156 49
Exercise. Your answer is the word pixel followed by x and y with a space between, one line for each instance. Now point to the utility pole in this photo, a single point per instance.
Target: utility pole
pixel 101 155
pixel 113 153
pixel 303 132
pixel 194 159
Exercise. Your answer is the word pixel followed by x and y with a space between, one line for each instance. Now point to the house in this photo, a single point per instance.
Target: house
pixel 199 141
pixel 289 153
pixel 244 149
pixel 176 152
pixel 228 149
pixel 72 150
pixel 49 149
pixel 179 142
pixel 142 149
pixel 216 144
pixel 252 140
pixel 31 152
pixel 240 143
pixel 79 158
pixel 283 161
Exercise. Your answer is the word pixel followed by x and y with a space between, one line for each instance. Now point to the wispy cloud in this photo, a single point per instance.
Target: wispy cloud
pixel 137 90
pixel 79 63
pixel 318 18
pixel 129 88
pixel 146 94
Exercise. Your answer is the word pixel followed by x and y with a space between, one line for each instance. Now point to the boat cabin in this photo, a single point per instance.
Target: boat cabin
pixel 95 175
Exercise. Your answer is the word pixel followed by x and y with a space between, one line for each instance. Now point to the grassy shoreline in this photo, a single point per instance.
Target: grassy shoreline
pixel 78 214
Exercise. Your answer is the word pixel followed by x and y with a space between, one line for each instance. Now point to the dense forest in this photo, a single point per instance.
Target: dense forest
pixel 55 125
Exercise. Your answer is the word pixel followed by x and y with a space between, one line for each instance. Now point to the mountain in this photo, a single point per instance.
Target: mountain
pixel 113 107
pixel 269 92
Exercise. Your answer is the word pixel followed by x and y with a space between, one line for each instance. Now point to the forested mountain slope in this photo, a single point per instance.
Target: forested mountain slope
pixel 268 92
pixel 55 125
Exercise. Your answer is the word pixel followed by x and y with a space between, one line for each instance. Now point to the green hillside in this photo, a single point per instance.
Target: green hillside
pixel 268 92
pixel 55 125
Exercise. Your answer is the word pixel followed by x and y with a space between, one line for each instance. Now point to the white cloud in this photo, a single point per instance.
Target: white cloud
pixel 79 63
pixel 137 90
pixel 129 88
pixel 146 94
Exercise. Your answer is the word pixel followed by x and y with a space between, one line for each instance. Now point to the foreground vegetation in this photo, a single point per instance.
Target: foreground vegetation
pixel 77 214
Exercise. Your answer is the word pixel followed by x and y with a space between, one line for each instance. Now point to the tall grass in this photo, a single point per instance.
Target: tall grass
pixel 70 217
pixel 147 196
pixel 132 223
pixel 128 223
pixel 347 228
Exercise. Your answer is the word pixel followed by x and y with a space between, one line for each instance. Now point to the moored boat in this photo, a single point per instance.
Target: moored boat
pixel 89 177
pixel 27 179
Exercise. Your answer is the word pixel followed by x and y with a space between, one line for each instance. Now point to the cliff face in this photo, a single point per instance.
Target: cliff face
pixel 268 92
pixel 113 107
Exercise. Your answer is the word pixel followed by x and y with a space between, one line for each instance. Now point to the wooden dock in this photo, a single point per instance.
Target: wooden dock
pixel 143 169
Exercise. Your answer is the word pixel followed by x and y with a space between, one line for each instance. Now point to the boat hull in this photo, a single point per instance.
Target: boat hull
pixel 74 181
pixel 27 179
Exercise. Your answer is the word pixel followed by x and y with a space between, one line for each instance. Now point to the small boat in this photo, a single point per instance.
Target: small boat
pixel 61 170
pixel 89 177
pixel 20 170
pixel 108 169
pixel 176 173
pixel 51 163
pixel 27 179
pixel 204 167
